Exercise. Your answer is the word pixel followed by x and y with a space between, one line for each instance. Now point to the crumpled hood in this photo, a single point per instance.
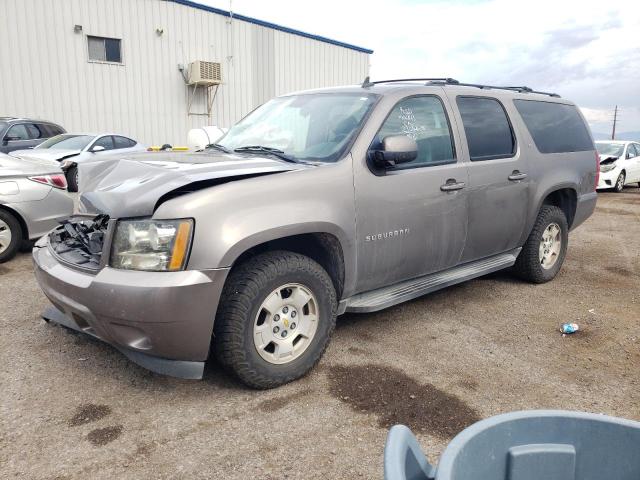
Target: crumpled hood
pixel 22 167
pixel 46 153
pixel 132 186
pixel 604 159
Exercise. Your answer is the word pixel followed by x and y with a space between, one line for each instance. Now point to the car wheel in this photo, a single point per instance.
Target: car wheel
pixel 10 236
pixel 543 253
pixel 276 315
pixel 72 179
pixel 619 186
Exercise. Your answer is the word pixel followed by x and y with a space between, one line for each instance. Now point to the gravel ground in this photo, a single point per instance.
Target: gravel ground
pixel 73 408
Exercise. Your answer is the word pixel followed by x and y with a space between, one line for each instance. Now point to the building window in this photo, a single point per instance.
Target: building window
pixel 103 49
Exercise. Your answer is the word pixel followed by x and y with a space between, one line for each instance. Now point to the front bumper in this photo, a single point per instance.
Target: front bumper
pixel 608 179
pixel 162 321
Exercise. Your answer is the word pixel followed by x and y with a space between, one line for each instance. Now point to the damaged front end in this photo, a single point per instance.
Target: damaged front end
pixel 80 242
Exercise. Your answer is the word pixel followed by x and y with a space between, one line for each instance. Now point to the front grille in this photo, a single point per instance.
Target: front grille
pixel 80 242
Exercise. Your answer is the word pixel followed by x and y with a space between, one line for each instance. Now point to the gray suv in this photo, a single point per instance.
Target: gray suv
pixel 21 133
pixel 317 203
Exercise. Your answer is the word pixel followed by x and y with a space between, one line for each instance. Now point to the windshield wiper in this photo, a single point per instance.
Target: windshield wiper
pixel 262 149
pixel 217 146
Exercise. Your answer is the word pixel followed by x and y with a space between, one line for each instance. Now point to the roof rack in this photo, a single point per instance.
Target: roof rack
pixel 452 81
pixel 368 83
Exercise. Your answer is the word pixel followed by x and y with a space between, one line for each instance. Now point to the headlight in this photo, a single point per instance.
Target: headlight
pixel 153 245
pixel 607 167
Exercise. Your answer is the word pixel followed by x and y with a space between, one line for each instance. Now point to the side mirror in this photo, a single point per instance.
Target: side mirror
pixel 8 139
pixel 97 148
pixel 395 149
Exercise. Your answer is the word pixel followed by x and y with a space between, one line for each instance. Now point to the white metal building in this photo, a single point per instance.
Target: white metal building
pixel 115 65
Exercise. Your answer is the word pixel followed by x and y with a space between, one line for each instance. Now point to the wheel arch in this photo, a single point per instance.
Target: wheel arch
pixel 565 197
pixel 322 246
pixel 19 218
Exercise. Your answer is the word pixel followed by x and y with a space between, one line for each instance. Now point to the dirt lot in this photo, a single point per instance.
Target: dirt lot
pixel 71 407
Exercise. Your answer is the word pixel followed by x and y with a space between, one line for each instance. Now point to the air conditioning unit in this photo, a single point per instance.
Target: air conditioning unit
pixel 205 73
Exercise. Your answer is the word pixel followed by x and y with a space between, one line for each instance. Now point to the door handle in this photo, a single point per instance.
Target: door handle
pixel 516 175
pixel 452 185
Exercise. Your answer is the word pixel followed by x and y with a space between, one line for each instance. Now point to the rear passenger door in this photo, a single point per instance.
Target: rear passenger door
pixel 498 180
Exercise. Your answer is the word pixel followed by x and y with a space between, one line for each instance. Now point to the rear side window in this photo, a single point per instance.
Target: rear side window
pixel 123 142
pixel 422 118
pixel 106 142
pixel 488 131
pixel 36 131
pixel 54 130
pixel 555 127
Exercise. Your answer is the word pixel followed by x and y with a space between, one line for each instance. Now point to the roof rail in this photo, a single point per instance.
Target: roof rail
pixel 368 83
pixel 452 81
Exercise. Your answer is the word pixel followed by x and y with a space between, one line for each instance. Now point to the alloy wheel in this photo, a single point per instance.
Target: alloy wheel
pixel 5 236
pixel 286 323
pixel 550 246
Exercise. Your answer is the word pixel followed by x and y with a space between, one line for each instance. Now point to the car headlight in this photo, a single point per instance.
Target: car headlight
pixel 152 245
pixel 607 167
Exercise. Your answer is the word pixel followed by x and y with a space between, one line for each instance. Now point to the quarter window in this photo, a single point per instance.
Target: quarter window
pixel 488 131
pixel 103 49
pixel 422 118
pixel 555 127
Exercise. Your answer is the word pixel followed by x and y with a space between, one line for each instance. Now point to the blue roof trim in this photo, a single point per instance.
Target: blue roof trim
pixel 274 26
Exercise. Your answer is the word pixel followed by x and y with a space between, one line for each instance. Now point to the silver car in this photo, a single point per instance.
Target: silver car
pixel 317 203
pixel 71 149
pixel 33 196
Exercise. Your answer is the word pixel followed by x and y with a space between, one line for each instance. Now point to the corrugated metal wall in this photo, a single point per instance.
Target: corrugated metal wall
pixel 45 72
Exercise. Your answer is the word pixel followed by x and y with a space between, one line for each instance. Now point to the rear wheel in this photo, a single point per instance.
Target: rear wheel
pixel 276 315
pixel 619 186
pixel 543 254
pixel 10 236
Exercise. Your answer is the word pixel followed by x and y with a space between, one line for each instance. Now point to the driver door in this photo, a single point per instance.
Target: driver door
pixel 409 221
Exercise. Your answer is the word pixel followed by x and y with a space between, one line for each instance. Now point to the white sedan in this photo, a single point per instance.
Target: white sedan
pixel 70 149
pixel 619 164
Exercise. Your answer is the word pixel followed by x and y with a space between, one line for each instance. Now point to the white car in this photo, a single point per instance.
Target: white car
pixel 70 149
pixel 619 164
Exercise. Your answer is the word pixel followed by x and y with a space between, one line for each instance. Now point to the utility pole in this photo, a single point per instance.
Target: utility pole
pixel 615 119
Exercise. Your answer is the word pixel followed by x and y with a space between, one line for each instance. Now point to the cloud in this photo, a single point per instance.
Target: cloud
pixel 587 51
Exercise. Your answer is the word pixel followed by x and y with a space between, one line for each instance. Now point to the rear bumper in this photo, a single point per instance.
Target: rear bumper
pixel 585 208
pixel 161 320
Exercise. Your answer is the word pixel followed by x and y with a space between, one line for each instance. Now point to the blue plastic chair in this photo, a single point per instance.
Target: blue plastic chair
pixel 529 445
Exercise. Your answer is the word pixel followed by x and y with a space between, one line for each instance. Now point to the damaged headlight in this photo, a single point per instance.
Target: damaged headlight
pixel 607 167
pixel 152 245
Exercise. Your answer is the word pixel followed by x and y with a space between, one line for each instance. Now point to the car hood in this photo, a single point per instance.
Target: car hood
pixel 134 186
pixel 23 167
pixel 46 153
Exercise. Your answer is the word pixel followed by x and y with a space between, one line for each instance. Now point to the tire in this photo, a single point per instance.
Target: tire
pixel 244 304
pixel 529 264
pixel 619 186
pixel 72 179
pixel 10 236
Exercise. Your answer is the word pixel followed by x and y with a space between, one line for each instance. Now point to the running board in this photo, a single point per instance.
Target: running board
pixel 408 290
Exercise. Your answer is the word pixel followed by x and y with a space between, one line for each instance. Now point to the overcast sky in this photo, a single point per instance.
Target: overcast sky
pixel 586 51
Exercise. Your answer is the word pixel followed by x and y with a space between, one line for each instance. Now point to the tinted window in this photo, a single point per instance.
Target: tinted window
pixel 555 127
pixel 488 131
pixel 36 131
pixel 424 120
pixel 105 142
pixel 54 130
pixel 103 49
pixel 123 142
pixel 20 132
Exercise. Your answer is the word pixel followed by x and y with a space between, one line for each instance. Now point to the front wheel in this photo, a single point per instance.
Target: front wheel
pixel 543 253
pixel 72 179
pixel 620 182
pixel 276 315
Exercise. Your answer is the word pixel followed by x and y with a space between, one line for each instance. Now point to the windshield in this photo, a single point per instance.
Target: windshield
pixel 305 127
pixel 609 149
pixel 67 142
